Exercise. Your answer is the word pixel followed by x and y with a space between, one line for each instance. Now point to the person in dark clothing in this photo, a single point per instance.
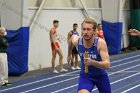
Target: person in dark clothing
pixel 3 58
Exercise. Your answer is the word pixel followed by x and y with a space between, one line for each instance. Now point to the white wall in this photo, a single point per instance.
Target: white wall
pixel 110 10
pixel 25 14
pixel 96 14
pixel 11 14
pixel 115 13
pixel 126 21
pixel 39 44
pixel 39 48
pixel 15 12
pixel 64 3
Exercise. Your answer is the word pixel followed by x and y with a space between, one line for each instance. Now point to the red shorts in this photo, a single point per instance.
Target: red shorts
pixel 53 46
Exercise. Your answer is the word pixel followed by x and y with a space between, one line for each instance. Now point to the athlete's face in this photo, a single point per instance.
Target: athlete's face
pixel 56 24
pixel 75 27
pixel 88 31
pixel 99 27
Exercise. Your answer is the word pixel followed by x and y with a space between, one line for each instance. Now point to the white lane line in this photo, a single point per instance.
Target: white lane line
pixel 38 81
pixel 121 79
pixel 134 83
pixel 125 59
pixel 125 78
pixel 55 76
pixel 127 71
pixel 131 88
pixel 50 84
pixel 110 74
pixel 117 71
pixel 96 88
pixel 125 63
pixel 72 75
pixel 64 88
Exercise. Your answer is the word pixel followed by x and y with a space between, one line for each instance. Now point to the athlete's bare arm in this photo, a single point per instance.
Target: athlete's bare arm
pixel 69 36
pixel 73 41
pixel 52 36
pixel 103 52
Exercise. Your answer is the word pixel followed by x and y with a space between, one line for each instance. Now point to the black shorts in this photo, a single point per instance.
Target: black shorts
pixel 74 51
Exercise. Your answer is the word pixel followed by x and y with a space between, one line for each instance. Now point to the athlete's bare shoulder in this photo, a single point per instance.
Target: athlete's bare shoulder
pixel 70 33
pixel 101 44
pixel 52 30
pixel 101 41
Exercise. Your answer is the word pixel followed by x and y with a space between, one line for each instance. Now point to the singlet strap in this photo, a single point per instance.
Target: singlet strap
pixel 74 32
pixel 96 41
pixel 80 41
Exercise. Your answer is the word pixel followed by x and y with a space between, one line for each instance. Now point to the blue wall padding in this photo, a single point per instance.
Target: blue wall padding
pixel 113 34
pixel 18 51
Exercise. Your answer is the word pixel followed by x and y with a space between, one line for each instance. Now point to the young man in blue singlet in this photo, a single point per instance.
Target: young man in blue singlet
pixel 74 65
pixel 97 62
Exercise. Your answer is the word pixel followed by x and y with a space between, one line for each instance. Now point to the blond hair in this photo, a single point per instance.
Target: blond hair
pixel 90 21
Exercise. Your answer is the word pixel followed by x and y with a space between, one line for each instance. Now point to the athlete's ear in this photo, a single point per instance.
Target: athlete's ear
pixel 95 32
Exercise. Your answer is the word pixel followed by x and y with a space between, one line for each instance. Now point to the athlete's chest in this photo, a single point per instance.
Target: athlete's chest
pixel 92 52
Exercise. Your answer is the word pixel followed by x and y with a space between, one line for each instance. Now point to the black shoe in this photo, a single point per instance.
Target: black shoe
pixel 5 84
pixel 8 84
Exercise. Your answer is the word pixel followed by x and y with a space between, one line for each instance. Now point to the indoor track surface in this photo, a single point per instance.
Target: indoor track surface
pixel 124 76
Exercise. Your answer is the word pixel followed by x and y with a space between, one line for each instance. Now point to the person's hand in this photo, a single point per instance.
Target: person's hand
pixel 2 31
pixel 69 59
pixel 1 34
pixel 56 48
pixel 133 32
pixel 87 61
pixel 59 40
